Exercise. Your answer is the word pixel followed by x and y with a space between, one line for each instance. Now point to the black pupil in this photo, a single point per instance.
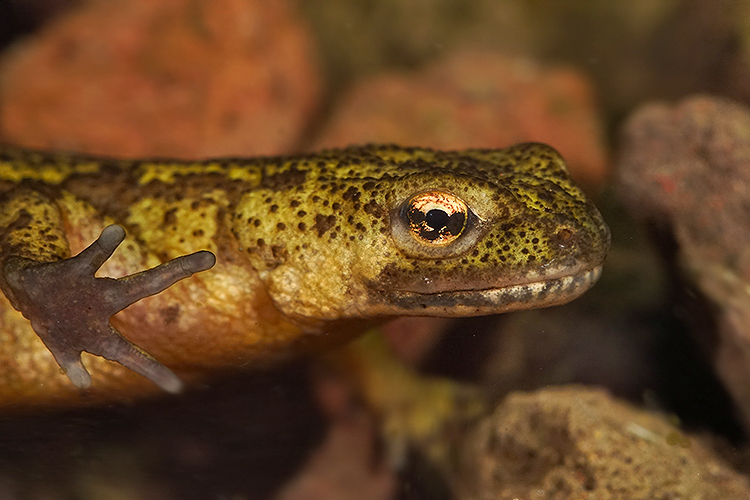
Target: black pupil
pixel 436 219
pixel 437 222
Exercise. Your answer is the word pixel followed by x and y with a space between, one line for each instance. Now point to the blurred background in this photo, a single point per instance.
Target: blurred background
pixel 602 82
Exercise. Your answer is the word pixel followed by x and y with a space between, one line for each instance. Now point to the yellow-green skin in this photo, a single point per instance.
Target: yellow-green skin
pixel 305 245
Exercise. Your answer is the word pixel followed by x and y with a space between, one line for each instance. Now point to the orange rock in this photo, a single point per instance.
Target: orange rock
pixel 477 99
pixel 173 77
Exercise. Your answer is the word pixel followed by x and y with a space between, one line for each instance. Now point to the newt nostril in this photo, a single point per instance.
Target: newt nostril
pixel 564 237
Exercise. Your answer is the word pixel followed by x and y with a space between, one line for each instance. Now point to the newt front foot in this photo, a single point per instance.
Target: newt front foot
pixel 70 309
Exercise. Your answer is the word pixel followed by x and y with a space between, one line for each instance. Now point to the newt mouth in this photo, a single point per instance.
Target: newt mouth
pixel 481 302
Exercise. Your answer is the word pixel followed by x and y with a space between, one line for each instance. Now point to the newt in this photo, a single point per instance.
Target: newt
pixel 251 260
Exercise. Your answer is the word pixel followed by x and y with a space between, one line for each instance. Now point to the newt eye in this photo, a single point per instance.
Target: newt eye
pixel 434 223
pixel 436 217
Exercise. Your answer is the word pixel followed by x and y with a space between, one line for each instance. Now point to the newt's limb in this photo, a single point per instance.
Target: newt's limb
pixel 70 309
pixel 428 413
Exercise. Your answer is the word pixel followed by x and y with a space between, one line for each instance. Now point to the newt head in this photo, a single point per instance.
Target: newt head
pixel 387 231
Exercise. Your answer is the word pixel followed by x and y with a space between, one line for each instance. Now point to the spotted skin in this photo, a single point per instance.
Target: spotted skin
pixel 302 243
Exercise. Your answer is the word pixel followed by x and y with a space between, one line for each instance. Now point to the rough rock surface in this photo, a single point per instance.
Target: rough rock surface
pixel 571 443
pixel 687 167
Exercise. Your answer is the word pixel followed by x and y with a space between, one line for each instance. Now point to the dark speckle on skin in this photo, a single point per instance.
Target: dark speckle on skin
pixel 323 223
pixel 352 194
pixel 290 178
pixel 170 218
pixel 170 314
pixel 279 252
pixel 372 208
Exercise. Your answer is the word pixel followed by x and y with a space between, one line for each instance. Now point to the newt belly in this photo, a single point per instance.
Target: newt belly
pixel 272 255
